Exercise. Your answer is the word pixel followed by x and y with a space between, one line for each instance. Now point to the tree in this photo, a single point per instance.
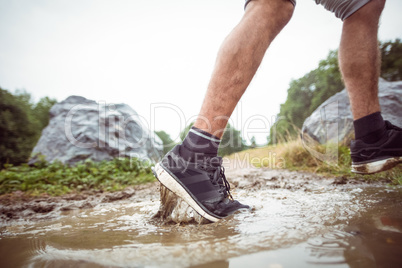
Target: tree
pixel 327 82
pixel 231 141
pixel 253 142
pixel 41 111
pixel 184 132
pixel 168 143
pixel 305 95
pixel 391 60
pixel 21 123
pixel 17 133
pixel 308 92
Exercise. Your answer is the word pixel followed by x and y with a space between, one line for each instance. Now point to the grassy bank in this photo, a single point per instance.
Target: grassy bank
pixel 293 156
pixel 58 179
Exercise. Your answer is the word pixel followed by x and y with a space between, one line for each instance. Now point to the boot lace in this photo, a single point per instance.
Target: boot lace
pixel 217 174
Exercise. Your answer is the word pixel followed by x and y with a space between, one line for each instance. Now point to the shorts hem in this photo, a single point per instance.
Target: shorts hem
pixel 248 1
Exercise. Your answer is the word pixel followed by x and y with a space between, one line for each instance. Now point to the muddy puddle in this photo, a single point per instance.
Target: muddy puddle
pixel 298 220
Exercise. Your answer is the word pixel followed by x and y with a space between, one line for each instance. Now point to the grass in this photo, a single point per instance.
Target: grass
pixel 328 160
pixel 58 179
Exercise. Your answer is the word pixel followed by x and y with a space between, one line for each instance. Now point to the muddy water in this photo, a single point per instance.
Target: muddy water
pixel 298 220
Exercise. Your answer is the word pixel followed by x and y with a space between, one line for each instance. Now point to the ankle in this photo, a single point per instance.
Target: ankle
pixel 199 143
pixel 370 128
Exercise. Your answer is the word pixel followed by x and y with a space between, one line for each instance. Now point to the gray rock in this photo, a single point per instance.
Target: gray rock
pixel 81 129
pixel 332 121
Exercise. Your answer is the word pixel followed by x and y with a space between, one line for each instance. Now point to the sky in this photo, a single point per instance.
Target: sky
pixel 157 56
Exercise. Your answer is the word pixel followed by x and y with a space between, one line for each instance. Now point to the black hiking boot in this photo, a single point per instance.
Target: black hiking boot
pixel 380 156
pixel 202 184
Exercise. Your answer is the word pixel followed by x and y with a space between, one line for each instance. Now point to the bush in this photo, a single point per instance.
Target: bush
pixel 21 123
pixel 57 178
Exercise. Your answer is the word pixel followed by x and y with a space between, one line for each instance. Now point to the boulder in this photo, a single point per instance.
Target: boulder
pixel 81 129
pixel 332 121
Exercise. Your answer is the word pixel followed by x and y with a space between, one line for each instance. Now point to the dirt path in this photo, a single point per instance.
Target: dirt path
pixel 20 207
pixel 314 219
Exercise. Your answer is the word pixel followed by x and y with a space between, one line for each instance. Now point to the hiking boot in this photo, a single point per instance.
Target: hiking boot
pixel 382 155
pixel 202 184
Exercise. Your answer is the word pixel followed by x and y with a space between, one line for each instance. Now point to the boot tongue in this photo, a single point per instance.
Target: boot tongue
pixel 215 161
pixel 389 125
pixel 219 176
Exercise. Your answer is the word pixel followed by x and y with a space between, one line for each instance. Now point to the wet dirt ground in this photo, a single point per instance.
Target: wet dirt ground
pixel 298 220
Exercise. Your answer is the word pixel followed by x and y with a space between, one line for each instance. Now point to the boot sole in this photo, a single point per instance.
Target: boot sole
pixel 377 166
pixel 173 185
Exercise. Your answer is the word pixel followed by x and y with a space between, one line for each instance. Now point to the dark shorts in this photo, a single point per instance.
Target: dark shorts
pixel 342 8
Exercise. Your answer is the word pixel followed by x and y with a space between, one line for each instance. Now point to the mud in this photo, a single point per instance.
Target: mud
pixel 21 207
pixel 173 209
pixel 18 206
pixel 298 220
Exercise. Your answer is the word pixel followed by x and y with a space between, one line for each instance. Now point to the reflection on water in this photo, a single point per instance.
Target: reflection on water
pixel 373 238
pixel 312 226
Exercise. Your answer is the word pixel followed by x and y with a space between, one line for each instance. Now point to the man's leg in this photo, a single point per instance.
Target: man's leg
pixel 378 144
pixel 359 58
pixel 239 58
pixel 192 170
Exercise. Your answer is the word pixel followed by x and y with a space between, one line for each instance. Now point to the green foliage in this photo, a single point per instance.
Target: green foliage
pixel 21 123
pixel 41 111
pixel 306 94
pixel 17 133
pixel 184 132
pixel 310 91
pixel 253 142
pixel 231 141
pixel 391 60
pixel 57 178
pixel 168 143
pixel 328 80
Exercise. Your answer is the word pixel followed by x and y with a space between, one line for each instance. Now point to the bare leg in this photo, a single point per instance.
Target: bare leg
pixel 359 58
pixel 239 58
